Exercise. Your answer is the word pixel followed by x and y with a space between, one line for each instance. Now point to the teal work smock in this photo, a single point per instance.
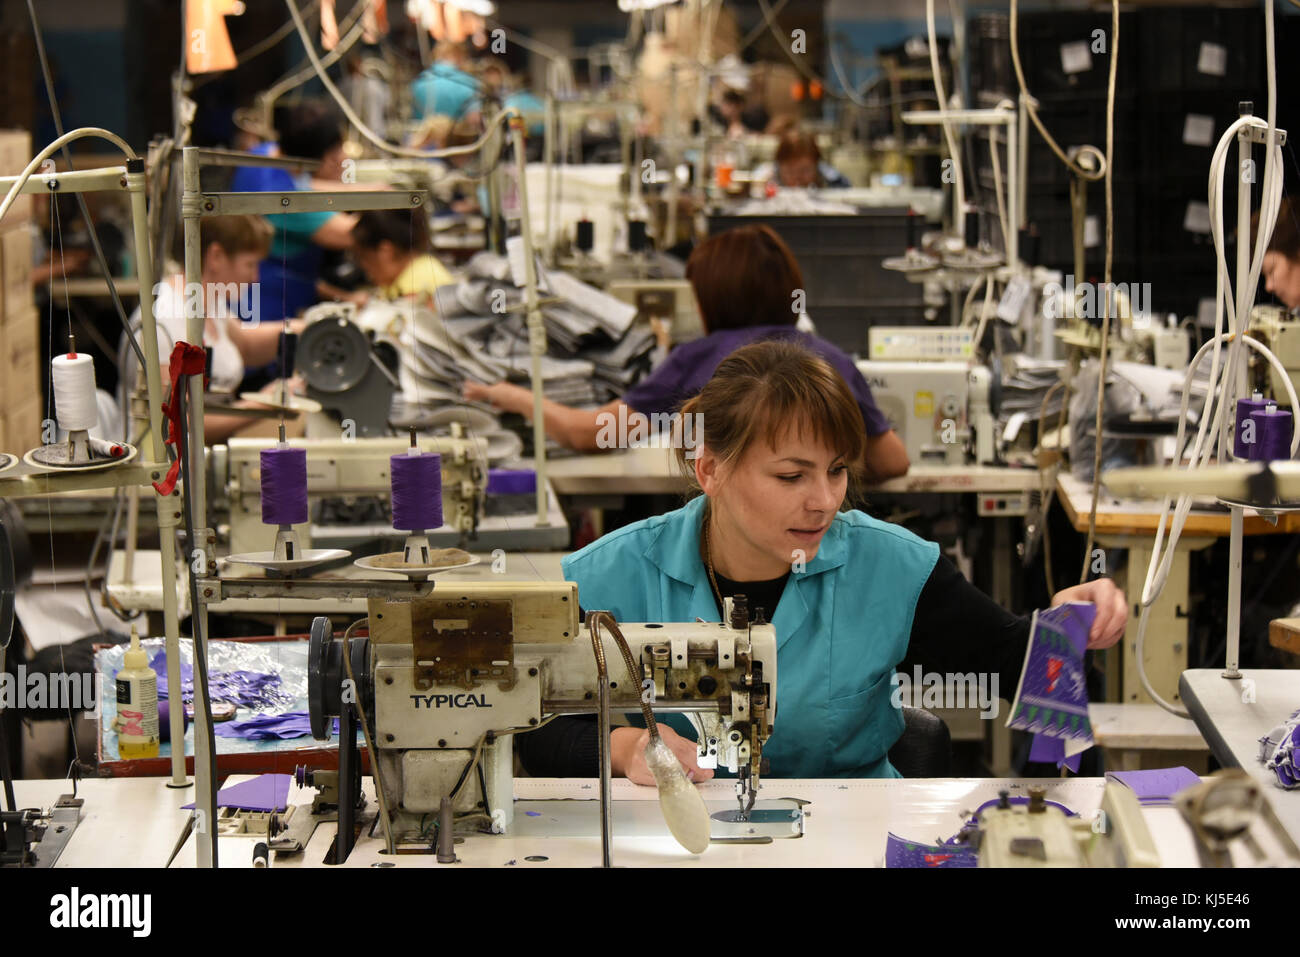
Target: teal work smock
pixel 842 626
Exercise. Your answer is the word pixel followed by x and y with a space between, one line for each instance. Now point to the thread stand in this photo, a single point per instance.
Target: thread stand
pixel 416 549
pixel 287 555
pixel 439 560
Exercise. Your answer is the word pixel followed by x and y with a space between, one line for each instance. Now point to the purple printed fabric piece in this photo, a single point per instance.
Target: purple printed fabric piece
pixel 1277 750
pixel 900 852
pixel 248 689
pixel 1052 698
pixel 266 792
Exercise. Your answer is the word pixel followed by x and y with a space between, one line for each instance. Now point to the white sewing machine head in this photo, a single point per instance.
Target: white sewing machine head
pixel 465 668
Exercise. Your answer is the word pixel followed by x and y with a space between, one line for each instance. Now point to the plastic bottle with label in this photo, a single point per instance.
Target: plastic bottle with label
pixel 137 704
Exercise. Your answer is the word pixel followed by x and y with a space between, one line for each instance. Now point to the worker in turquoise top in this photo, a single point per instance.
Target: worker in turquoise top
pixel 445 88
pixel 850 597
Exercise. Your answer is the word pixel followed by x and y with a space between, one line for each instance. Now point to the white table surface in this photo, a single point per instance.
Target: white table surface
pixel 654 470
pixel 134 822
pixel 1233 725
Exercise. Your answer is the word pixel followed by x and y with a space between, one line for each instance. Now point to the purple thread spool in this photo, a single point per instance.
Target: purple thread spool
pixel 417 491
pixel 284 486
pixel 511 482
pixel 165 719
pixel 1272 434
pixel 1242 449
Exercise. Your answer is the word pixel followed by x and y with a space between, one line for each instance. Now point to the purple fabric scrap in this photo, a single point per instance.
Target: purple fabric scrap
pixel 1158 785
pixel 266 792
pixel 266 727
pixel 511 482
pixel 248 689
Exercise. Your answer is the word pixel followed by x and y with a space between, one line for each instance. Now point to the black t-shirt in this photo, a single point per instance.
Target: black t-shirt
pixel 956 629
pixel 762 595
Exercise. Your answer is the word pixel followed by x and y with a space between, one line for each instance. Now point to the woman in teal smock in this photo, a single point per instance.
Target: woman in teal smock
pixel 850 596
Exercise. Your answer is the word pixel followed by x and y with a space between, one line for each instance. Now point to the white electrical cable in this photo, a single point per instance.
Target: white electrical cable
pixel 1234 310
pixel 959 187
pixel 1095 156
pixel 73 378
pixel 1003 218
pixel 984 315
pixel 366 131
pixel 50 150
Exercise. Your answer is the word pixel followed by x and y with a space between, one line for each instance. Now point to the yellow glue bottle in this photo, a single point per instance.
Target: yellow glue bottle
pixel 137 704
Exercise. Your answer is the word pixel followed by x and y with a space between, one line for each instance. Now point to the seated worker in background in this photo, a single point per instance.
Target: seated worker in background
pixel 290 273
pixel 389 246
pixel 781 434
pixel 500 85
pixel 445 88
pixel 1282 258
pixel 799 164
pixel 746 281
pixel 233 330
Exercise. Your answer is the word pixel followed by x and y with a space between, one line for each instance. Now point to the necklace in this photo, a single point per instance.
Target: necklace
pixel 708 559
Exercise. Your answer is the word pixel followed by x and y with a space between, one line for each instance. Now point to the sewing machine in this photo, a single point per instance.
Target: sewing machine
pixel 346 469
pixel 943 411
pixel 1280 331
pixel 448 678
pixel 670 300
pixel 353 378
pixel 1037 834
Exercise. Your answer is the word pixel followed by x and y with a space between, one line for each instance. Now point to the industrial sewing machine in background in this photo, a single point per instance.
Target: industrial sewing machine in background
pixel 348 487
pixel 941 403
pixel 446 678
pixel 1280 331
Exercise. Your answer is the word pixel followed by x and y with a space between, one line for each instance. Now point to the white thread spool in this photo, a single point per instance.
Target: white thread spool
pixel 73 377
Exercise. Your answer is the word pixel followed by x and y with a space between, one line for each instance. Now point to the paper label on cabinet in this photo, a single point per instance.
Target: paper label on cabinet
pixel 1198 129
pixel 1197 217
pixel 1076 57
pixel 1213 59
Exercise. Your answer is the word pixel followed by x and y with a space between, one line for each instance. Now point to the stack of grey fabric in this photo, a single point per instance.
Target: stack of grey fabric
pixel 594 351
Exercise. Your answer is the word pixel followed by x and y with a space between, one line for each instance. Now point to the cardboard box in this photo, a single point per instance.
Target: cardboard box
pixel 20 354
pixel 16 264
pixel 15 154
pixel 22 426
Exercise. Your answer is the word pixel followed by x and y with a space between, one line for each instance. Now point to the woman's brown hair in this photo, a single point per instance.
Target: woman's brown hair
pixel 237 234
pixel 767 388
pixel 745 277
pixel 796 145
pixel 1286 233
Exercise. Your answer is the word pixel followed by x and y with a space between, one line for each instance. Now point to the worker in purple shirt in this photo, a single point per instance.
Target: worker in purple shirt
pixel 747 284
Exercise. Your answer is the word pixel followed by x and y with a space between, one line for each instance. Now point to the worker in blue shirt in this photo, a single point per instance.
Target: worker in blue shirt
pixel 290 273
pixel 747 284
pixel 848 594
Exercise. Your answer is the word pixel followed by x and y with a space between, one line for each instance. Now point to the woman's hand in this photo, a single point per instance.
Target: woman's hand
pixel 627 754
pixel 502 395
pixel 1112 609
